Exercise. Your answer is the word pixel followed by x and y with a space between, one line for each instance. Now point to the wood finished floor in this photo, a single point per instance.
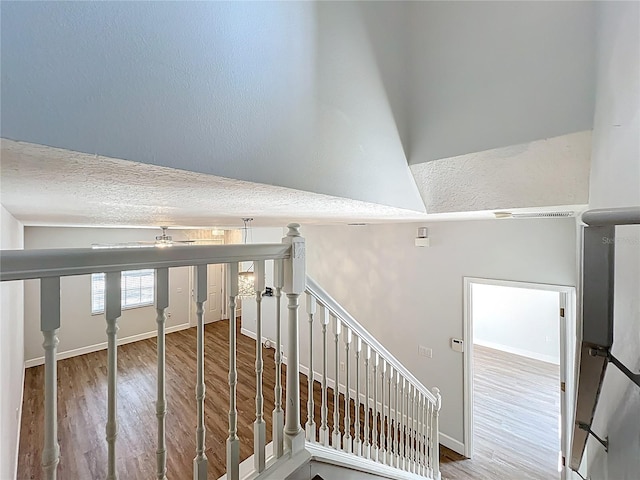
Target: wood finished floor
pixel 82 413
pixel 517 404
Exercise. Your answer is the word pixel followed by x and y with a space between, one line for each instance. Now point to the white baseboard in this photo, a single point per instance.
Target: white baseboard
pixel 518 351
pixel 103 346
pixel 452 443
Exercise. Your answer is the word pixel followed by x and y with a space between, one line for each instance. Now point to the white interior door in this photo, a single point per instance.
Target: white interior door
pixel 214 293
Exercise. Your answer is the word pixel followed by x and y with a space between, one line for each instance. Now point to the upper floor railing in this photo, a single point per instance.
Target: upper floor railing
pixel 599 244
pixel 405 436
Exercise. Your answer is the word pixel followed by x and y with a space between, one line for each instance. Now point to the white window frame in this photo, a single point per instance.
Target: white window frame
pixel 128 287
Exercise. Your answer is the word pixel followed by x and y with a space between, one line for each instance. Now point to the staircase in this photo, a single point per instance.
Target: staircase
pixel 373 416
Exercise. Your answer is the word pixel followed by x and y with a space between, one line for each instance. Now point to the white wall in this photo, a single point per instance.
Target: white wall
pixel 491 74
pixel 615 182
pixel 81 332
pixel 406 296
pixel 11 351
pixel 260 91
pixel 517 320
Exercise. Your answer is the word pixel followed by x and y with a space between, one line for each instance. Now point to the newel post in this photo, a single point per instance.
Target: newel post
pixel 294 284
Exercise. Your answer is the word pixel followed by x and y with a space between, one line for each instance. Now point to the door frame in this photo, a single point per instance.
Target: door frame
pixel 567 300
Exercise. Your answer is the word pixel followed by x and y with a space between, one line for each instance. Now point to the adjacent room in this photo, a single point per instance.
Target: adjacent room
pixel 516 376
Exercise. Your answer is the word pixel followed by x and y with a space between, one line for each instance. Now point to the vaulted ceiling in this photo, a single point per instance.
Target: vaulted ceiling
pixel 331 98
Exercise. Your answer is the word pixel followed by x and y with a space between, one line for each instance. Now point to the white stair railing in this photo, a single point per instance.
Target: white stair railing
pixel 394 436
pixel 400 414
pixel 51 264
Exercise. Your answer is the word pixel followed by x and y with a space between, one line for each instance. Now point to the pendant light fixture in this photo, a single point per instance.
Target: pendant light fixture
pixel 246 278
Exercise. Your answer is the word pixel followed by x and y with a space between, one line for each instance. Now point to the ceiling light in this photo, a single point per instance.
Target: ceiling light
pixel 246 278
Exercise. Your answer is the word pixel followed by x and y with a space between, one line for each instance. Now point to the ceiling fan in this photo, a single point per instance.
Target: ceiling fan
pixel 162 241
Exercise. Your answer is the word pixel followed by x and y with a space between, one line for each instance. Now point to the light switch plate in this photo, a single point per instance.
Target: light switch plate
pixel 425 351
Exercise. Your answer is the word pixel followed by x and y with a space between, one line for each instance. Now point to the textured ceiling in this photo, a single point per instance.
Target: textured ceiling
pixel 48 186
pixel 551 172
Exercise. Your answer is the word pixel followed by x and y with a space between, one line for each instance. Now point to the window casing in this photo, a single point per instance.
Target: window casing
pixel 137 290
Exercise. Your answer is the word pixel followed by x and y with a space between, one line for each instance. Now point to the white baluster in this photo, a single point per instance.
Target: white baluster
pixel 367 443
pixel 403 429
pixel 200 462
pixel 295 279
pixel 396 425
pixel 408 461
pixel 162 302
pixel 310 427
pixel 414 425
pixel 346 440
pixel 427 458
pixel 324 429
pixel 259 426
pixel 425 437
pixel 336 389
pixel 112 313
pixel 409 465
pixel 382 456
pixel 278 412
pixel 429 439
pixel 419 435
pixel 374 440
pixel 49 325
pixel 436 434
pixel 233 443
pixel 357 442
pixel 389 455
pixel 411 419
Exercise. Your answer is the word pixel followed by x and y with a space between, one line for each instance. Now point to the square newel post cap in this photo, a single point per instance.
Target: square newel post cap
pixel 295 274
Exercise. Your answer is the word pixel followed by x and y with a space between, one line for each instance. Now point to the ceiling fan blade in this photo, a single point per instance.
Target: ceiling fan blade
pixel 123 245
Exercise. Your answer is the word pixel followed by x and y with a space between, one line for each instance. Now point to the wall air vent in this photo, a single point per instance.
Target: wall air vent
pixel 543 215
pixel 504 214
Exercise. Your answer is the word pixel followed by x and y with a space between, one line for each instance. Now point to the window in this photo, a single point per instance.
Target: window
pixel 137 289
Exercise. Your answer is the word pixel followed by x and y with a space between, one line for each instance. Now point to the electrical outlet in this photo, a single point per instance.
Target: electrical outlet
pixel 425 351
pixel 342 366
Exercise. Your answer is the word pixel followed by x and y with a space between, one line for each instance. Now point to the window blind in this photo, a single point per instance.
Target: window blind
pixel 137 289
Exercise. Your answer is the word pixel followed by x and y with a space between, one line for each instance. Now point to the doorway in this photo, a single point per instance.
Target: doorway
pixel 518 367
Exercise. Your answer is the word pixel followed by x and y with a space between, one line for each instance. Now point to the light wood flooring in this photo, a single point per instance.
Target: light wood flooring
pixel 82 413
pixel 516 410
